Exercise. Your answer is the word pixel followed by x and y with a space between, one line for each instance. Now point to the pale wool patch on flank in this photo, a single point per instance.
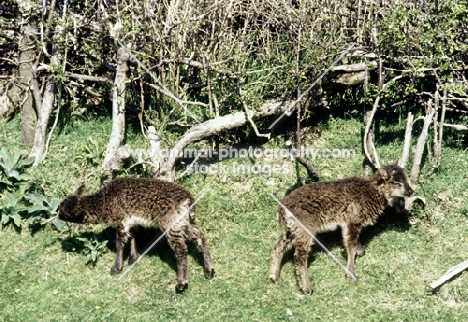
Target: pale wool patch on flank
pixel 131 221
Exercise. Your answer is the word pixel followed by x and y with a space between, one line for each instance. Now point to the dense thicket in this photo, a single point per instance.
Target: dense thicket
pixel 174 63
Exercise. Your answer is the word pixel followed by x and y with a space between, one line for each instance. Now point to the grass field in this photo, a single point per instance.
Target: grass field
pixel 44 278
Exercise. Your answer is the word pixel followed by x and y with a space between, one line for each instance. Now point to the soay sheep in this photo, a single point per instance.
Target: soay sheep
pixel 127 202
pixel 351 204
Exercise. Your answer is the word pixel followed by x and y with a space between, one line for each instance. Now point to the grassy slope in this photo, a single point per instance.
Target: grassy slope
pixel 41 279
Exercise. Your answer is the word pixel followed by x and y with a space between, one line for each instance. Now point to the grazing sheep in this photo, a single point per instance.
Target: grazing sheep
pixel 127 202
pixel 351 204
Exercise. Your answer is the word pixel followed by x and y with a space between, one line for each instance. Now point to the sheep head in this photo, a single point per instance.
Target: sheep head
pixel 394 180
pixel 69 209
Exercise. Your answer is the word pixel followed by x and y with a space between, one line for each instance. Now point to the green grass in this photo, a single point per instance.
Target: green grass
pixel 43 279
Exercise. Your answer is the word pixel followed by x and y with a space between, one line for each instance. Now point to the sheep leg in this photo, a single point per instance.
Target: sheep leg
pixel 197 235
pixel 353 247
pixel 180 248
pixel 301 253
pixel 282 245
pixel 133 251
pixel 120 241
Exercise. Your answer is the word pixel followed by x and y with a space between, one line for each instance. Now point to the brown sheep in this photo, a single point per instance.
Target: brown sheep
pixel 351 204
pixel 127 202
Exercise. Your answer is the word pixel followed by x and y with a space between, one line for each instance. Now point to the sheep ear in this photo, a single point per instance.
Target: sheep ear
pixel 81 190
pixel 383 174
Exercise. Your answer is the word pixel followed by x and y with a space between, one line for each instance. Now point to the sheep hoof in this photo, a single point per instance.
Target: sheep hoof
pixel 209 272
pixel 350 278
pixel 114 270
pixel 275 280
pixel 132 260
pixel 306 291
pixel 181 287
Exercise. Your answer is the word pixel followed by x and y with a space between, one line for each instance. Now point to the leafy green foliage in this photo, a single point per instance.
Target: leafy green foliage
pixel 91 152
pixel 43 210
pixel 12 205
pixel 93 248
pixel 15 181
pixel 18 198
pixel 13 170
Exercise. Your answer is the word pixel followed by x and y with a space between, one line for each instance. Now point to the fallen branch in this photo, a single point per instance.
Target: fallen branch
pixel 449 274
pixel 215 126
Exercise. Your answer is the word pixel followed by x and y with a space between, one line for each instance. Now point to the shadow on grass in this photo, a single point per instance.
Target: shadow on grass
pixel 144 238
pixel 389 220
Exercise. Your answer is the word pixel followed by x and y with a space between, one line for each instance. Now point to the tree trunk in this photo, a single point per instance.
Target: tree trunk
pixel 44 112
pixel 21 93
pixel 111 159
pixel 418 153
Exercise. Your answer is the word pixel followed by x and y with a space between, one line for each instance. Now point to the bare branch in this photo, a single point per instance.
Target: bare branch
pixel 368 143
pixel 88 78
pixel 457 127
pixel 311 171
pixel 407 143
pixel 167 93
pixel 248 115
pixel 358 67
pixel 418 154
